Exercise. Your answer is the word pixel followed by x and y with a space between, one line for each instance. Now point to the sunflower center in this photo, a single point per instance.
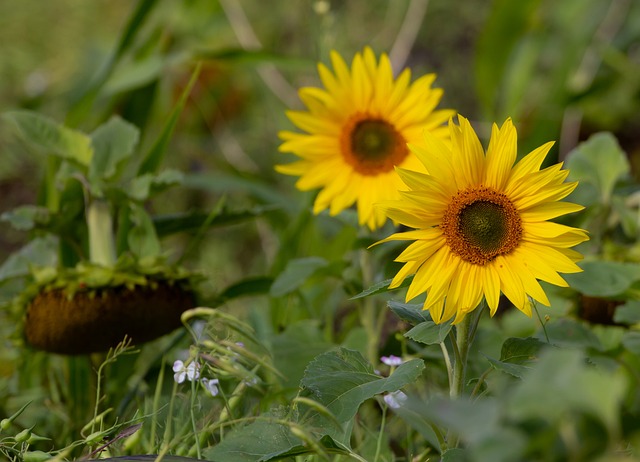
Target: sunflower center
pixel 480 224
pixel 372 145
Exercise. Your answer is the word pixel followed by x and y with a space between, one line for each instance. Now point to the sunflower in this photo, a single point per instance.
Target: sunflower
pixel 482 223
pixel 357 130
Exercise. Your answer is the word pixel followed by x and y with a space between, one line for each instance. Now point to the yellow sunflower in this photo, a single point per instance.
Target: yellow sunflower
pixel 482 223
pixel 357 130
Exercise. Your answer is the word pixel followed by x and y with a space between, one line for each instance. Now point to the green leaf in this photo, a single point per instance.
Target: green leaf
pixel 413 314
pixel 563 383
pixel 250 286
pixel 382 287
pixel 521 350
pixel 294 348
pixel 429 332
pixel 326 442
pixel 259 441
pixel 516 370
pixel 43 132
pixel 629 313
pixel 154 157
pixel 571 333
pixel 113 143
pixel 41 251
pixel 295 274
pixel 27 217
pixel 631 341
pixel 193 221
pixel 604 278
pixel 600 162
pixel 143 240
pixel 342 380
pixel 145 186
pixel 455 455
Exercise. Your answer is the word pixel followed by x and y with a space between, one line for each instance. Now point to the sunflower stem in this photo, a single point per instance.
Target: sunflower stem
pixel 465 333
pixel 102 249
pixel 370 320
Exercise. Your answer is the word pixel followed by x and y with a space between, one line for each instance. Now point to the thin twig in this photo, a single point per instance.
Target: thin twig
pixel 408 33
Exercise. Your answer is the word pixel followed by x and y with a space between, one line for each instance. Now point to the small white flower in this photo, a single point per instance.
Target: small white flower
pixel 391 360
pixel 190 372
pixel 211 385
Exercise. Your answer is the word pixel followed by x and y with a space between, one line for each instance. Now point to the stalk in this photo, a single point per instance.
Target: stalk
pixel 102 249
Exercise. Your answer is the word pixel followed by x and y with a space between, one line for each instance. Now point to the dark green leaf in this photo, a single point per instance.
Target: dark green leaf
pixel 255 442
pixel 413 314
pixel 454 455
pixel 249 286
pixel 516 370
pixel 429 333
pixel 154 157
pixel 43 132
pixel 113 143
pixel 326 442
pixel 521 350
pixel 382 287
pixel 192 221
pixel 604 278
pixel 568 332
pixel 295 274
pixel 342 380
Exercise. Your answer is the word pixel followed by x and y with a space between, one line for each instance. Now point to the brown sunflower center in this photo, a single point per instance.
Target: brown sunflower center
pixel 372 145
pixel 480 224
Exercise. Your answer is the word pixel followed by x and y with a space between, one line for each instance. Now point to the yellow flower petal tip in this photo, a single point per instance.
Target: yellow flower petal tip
pixel 356 130
pixel 482 224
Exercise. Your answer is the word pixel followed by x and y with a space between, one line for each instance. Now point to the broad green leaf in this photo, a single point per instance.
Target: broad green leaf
pixel 429 333
pixel 342 380
pixel 43 132
pixel 41 251
pixel 455 455
pixel 258 441
pixel 521 350
pixel 143 240
pixel 563 383
pixel 516 370
pixel 145 186
pixel 293 349
pixel 295 274
pixel 382 287
pixel 600 162
pixel 604 278
pixel 327 443
pixel 27 217
pixel 413 314
pixel 113 143
pixel 147 458
pixel 629 313
pixel 570 333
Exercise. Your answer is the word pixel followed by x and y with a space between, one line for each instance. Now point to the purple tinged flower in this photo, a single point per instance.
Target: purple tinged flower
pixel 395 399
pixel 211 385
pixel 391 360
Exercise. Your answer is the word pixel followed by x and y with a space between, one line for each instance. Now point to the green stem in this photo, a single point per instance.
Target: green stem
pixel 102 248
pixel 368 317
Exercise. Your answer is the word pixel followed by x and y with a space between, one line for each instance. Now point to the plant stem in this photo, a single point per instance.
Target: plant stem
pixel 460 348
pixel 368 317
pixel 102 248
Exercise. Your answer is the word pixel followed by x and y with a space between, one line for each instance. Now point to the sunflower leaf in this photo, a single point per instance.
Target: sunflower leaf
pixel 411 313
pixel 342 380
pixel 429 332
pixel 381 287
